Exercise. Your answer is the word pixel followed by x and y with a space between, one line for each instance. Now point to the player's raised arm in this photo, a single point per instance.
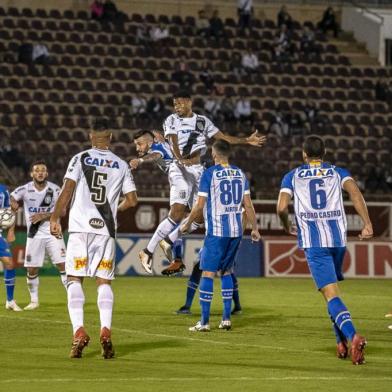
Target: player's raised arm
pixel 251 217
pixel 254 139
pixel 61 205
pixel 359 203
pixel 136 162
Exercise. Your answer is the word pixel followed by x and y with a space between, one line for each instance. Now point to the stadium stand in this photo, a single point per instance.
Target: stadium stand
pixel 95 71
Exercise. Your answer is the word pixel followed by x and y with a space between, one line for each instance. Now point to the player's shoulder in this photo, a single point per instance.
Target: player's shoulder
pixel 53 185
pixel 23 187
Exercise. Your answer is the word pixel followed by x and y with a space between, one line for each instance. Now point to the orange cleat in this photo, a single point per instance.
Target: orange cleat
pixel 80 341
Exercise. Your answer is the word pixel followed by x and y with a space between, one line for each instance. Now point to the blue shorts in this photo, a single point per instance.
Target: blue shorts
pixel 218 253
pixel 325 264
pixel 5 250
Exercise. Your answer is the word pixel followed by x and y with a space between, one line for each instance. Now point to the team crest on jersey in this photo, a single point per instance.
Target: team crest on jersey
pixel 48 199
pixel 96 223
pixel 200 125
pixel 101 162
pixel 317 172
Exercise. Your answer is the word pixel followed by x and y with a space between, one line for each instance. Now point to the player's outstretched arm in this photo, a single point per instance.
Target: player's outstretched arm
pixel 153 157
pixel 351 187
pixel 251 218
pixel 60 206
pixel 282 210
pixel 255 139
pixel 130 200
pixel 196 212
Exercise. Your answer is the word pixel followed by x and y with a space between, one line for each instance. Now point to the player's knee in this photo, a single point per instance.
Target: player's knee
pixel 7 262
pixel 208 274
pixel 177 213
pixel 330 291
pixel 32 273
pixel 61 267
pixel 101 281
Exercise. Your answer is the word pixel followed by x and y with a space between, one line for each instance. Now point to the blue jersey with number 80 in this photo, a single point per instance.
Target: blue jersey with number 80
pixel 224 187
pixel 318 204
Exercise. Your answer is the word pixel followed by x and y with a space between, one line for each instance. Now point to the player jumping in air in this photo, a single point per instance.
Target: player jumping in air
pixel 321 228
pixel 39 197
pixel 224 191
pixel 6 256
pixel 94 180
pixel 187 133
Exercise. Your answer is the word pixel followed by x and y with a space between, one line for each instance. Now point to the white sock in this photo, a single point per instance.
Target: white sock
pixel 164 228
pixel 63 277
pixel 32 285
pixel 105 305
pixel 175 234
pixel 75 304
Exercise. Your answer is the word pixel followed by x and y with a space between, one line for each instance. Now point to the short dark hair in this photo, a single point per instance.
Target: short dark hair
pixel 222 148
pixel 314 147
pixel 182 94
pixel 37 162
pixel 100 124
pixel 143 132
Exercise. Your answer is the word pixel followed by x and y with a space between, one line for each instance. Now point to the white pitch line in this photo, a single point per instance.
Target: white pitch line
pixel 217 342
pixel 182 379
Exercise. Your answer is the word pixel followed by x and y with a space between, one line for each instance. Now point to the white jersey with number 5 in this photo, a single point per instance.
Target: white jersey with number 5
pixel 100 177
pixel 192 132
pixel 318 204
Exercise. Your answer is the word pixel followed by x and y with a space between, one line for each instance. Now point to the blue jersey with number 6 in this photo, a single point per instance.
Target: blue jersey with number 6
pixel 224 187
pixel 318 204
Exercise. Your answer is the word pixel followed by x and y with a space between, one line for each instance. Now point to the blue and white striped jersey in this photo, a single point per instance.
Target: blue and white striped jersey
pixel 4 199
pixel 166 155
pixel 318 204
pixel 224 187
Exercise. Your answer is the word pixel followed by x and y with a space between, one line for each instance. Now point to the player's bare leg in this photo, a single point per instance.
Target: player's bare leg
pixel 32 285
pixel 105 306
pixel 76 314
pixel 176 215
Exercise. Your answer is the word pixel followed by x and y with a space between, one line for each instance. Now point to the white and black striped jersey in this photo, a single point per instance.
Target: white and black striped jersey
pixel 100 177
pixel 192 132
pixel 36 202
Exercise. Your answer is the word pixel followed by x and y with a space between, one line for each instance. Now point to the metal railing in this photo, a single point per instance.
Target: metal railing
pixel 340 3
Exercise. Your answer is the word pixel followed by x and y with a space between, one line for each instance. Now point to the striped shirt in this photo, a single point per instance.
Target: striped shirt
pixel 224 187
pixel 318 204
pixel 166 155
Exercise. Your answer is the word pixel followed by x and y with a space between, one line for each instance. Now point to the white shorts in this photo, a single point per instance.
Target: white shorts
pixel 37 247
pixel 184 183
pixel 90 254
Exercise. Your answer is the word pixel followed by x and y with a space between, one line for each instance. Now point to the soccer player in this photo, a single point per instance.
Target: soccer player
pixel 321 228
pixel 6 256
pixel 187 133
pixel 94 180
pixel 39 197
pixel 223 190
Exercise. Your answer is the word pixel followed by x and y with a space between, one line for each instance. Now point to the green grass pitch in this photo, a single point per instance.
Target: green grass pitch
pixel 283 341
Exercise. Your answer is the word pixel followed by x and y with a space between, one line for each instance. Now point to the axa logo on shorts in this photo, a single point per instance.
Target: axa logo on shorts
pixel 101 162
pixel 96 223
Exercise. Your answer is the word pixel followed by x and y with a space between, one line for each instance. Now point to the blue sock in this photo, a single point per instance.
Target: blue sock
pixel 193 284
pixel 178 249
pixel 236 294
pixel 206 291
pixel 338 333
pixel 9 281
pixel 227 295
pixel 338 311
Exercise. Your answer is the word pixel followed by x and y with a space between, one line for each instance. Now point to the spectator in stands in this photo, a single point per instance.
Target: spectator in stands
pixel 112 15
pixel 279 124
pixel 245 10
pixel 40 54
pixel 206 77
pixel 212 107
pixel 284 18
pixel 155 108
pixel 25 53
pixel 282 44
pixel 243 110
pixel 143 36
pixel 310 114
pixel 96 10
pixel 11 156
pixel 376 180
pixel 381 90
pixel 159 34
pixel 329 22
pixel 250 62
pixel 236 66
pixel 217 29
pixel 227 109
pixel 139 107
pixel 308 42
pixel 202 24
pixel 183 77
